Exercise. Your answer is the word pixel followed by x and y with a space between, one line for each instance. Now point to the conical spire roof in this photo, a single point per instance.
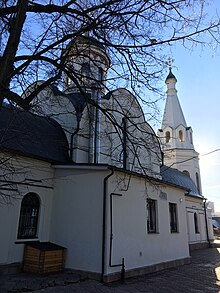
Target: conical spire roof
pixel 173 114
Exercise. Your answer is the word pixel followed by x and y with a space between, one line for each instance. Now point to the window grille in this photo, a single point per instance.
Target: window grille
pixel 196 223
pixel 173 218
pixel 28 220
pixel 151 216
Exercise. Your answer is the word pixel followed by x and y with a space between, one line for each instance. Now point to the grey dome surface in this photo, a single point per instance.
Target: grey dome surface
pixel 85 40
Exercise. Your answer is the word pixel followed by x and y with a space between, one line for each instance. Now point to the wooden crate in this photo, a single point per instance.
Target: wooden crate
pixel 43 257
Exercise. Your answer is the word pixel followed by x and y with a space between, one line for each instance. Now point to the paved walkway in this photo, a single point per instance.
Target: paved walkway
pixel 202 275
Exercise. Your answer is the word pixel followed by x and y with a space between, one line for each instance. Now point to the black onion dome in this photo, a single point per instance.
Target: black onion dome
pixel 171 75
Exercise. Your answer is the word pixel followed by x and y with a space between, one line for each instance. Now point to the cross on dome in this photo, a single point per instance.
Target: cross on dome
pixel 170 62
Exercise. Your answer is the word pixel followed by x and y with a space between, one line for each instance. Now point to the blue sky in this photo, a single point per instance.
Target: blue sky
pixel 198 85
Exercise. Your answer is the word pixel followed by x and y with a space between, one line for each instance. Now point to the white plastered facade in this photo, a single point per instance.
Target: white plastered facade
pixel 30 176
pixel 96 206
pixel 72 213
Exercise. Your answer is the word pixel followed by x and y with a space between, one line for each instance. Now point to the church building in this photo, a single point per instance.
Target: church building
pixel 85 171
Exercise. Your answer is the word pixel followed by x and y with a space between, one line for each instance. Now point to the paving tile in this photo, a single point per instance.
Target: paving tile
pixel 201 276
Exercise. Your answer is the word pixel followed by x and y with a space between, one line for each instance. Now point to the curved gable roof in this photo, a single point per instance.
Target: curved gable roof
pixel 129 105
pixel 122 92
pixel 30 135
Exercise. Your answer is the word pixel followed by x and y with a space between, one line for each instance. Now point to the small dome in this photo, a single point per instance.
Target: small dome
pixel 171 76
pixel 84 40
pixel 90 41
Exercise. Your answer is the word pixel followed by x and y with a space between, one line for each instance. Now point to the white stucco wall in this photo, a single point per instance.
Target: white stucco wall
pixel 77 216
pixel 27 172
pixel 77 220
pixel 71 215
pixel 130 238
pixel 195 205
pixel 142 147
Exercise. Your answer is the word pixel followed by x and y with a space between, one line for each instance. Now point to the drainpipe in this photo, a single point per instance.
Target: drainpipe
pixel 97 128
pixel 122 264
pixel 91 139
pixel 104 209
pixel 206 222
pixel 78 117
pixel 162 157
pixel 92 131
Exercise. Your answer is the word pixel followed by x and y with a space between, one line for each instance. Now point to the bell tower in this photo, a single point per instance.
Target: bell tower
pixel 177 137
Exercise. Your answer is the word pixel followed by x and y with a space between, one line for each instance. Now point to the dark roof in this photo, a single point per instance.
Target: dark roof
pixel 44 246
pixel 24 133
pixel 215 223
pixel 176 177
pixel 79 101
pixel 108 95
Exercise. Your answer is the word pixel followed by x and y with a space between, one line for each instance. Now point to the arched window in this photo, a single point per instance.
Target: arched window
pixel 101 74
pixel 181 136
pixel 191 138
pixel 167 136
pixel 85 72
pixel 186 173
pixel 196 223
pixel 198 183
pixel 28 220
pixel 85 69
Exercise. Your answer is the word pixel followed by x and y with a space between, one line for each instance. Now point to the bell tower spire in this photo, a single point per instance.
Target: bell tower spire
pixel 176 137
pixel 173 114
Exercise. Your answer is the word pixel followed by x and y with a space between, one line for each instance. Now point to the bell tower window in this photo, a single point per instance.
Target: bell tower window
pixel 186 173
pixel 181 136
pixel 167 136
pixel 191 138
pixel 198 182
